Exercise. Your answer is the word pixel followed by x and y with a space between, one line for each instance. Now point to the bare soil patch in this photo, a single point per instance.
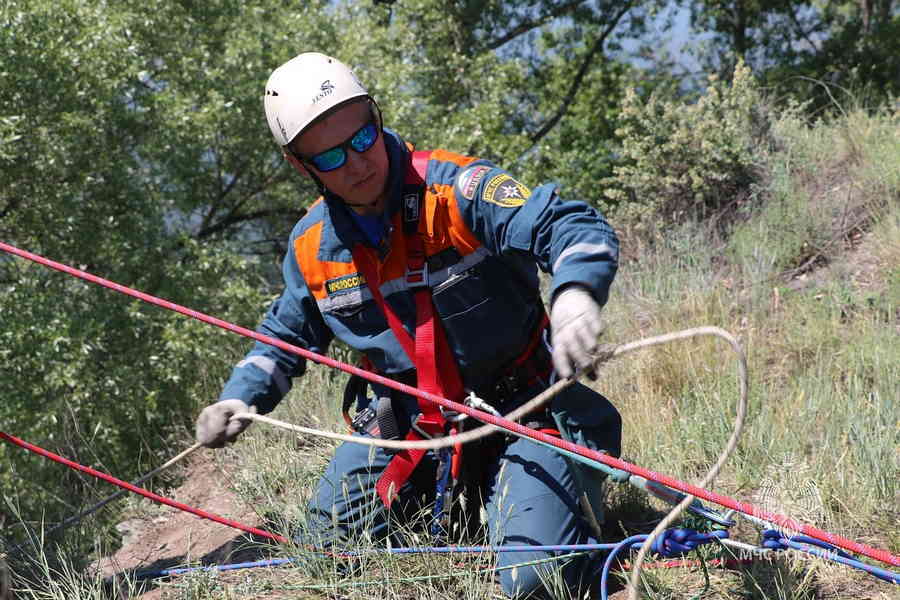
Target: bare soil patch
pixel 170 538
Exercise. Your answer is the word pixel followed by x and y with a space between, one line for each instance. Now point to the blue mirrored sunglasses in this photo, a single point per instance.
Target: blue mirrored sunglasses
pixel 334 158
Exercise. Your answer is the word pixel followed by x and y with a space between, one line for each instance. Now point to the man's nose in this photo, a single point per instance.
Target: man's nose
pixel 356 162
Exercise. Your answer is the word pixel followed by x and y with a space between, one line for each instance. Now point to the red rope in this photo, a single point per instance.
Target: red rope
pixel 727 563
pixel 780 520
pixel 141 491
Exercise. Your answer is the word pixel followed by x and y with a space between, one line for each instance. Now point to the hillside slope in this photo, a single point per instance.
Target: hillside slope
pixel 807 276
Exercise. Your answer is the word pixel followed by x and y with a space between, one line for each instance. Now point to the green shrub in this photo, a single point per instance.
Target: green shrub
pixel 107 380
pixel 688 160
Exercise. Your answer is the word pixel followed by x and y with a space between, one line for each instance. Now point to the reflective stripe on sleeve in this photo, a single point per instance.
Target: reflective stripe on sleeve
pixel 268 365
pixel 357 297
pixel 581 248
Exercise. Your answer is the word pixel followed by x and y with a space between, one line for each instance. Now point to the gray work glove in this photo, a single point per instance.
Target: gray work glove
pixel 575 325
pixel 215 427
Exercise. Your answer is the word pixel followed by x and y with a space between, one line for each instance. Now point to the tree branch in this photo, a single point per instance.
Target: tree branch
pixel 214 206
pixel 579 77
pixel 231 183
pixel 526 26
pixel 799 28
pixel 234 219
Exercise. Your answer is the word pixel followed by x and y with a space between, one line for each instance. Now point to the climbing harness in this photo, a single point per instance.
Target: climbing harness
pixel 437 371
pixel 813 541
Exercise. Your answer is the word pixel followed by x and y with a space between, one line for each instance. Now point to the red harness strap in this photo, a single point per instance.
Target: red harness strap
pixel 436 369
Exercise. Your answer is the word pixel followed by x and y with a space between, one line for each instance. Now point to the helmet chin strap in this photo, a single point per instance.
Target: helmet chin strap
pixel 313 176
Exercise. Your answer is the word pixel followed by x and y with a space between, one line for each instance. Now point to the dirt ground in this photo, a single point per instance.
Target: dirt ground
pixel 170 538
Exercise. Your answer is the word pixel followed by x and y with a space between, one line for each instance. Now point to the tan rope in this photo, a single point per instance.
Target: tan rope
pixel 607 353
pixel 432 444
pixel 714 470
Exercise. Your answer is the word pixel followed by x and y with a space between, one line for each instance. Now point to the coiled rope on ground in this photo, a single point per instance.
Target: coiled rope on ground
pixel 508 424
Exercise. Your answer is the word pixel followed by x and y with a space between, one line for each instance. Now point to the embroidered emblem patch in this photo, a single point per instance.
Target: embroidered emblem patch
pixel 411 208
pixel 469 180
pixel 345 283
pixel 505 191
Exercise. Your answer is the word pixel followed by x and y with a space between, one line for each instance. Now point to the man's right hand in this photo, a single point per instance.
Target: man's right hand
pixel 215 427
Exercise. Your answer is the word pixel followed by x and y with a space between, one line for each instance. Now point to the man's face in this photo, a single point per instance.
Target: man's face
pixel 362 179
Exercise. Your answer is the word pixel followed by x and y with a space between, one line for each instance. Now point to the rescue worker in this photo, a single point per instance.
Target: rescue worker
pixel 484 235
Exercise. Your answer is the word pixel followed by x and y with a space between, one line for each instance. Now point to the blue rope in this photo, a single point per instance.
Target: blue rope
pixel 775 540
pixel 498 549
pixel 668 544
pixel 677 542
pixel 274 562
pixel 568 548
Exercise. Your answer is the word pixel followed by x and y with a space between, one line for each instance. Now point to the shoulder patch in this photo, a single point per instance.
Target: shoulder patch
pixel 469 179
pixel 505 191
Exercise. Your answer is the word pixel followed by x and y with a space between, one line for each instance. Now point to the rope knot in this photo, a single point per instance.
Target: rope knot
pixel 773 539
pixel 676 542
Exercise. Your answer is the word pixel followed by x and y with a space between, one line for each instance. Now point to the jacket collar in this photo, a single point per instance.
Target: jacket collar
pixel 340 232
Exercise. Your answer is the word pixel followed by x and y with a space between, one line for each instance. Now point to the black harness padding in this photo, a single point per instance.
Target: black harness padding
pixel 387 419
pixel 354 392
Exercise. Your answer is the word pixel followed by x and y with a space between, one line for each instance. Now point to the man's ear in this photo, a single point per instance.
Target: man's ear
pixel 295 162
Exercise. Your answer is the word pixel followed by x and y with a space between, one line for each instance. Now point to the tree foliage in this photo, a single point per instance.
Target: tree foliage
pixel 807 48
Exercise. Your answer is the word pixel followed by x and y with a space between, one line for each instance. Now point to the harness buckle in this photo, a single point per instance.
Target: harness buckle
pixel 366 423
pixel 417 277
pixel 425 427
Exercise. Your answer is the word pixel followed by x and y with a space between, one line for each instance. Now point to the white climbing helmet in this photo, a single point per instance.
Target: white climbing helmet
pixel 303 89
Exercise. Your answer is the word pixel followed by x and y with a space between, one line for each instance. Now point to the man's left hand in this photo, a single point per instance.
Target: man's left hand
pixel 575 324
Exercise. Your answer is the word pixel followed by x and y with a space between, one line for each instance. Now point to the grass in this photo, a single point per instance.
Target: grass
pixel 808 279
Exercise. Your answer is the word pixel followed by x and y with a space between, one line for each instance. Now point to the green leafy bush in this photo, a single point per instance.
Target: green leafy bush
pixel 107 380
pixel 687 160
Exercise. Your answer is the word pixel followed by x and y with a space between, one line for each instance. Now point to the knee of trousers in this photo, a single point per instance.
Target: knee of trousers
pixel 344 499
pixel 345 502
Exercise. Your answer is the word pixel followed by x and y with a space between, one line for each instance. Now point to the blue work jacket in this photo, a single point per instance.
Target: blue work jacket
pixel 485 236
